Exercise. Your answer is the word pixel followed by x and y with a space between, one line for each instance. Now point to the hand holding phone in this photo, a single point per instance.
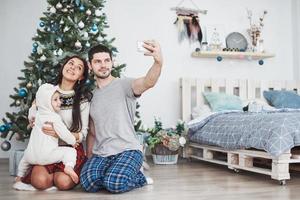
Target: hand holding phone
pixel 140 47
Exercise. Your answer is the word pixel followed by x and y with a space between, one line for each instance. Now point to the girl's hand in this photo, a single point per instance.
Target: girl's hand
pixel 48 129
pixel 76 145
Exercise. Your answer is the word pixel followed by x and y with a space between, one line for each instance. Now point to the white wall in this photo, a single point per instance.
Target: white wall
pixel 296 39
pixel 18 22
pixel 133 20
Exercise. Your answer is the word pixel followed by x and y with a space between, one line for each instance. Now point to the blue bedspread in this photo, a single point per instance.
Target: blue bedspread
pixel 272 131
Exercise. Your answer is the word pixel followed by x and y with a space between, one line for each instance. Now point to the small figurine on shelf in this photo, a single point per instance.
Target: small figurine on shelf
pixel 255 29
pixel 215 42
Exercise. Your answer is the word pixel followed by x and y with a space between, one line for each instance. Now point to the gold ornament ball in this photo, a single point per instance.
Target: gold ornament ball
pixel 29 85
pixel 18 102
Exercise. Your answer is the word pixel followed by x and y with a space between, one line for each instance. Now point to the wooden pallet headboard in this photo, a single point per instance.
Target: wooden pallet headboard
pixel 192 88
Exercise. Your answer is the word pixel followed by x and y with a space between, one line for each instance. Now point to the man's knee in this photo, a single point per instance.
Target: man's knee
pixel 90 181
pixel 115 185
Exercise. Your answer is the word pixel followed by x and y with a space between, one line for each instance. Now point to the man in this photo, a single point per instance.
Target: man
pixel 115 154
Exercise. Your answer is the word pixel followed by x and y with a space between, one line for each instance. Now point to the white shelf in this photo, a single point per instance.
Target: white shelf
pixel 232 55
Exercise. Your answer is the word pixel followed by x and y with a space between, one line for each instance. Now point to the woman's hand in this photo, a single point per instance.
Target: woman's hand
pixel 48 129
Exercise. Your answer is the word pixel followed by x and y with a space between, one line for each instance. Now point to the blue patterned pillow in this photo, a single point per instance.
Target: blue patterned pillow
pixel 222 101
pixel 282 99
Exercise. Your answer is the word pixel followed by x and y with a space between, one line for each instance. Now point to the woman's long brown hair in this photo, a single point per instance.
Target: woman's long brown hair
pixel 81 92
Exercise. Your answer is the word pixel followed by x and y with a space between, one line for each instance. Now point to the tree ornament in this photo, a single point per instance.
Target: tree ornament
pixel 65 10
pixel 78 44
pixel 85 35
pixel 29 85
pixel 219 58
pixel 18 137
pixel 39 50
pixel 35 45
pixel 87 81
pixel 94 28
pixel 43 58
pixel 88 12
pixel 98 13
pixel 81 8
pixel 66 29
pixel 34 50
pixel 40 82
pixel 22 92
pixel 81 25
pixel 60 52
pixel 52 9
pixel 42 24
pixel 59 40
pixel 58 5
pixel 87 44
pixel 18 102
pixel 3 128
pixel 5 146
pixel 61 22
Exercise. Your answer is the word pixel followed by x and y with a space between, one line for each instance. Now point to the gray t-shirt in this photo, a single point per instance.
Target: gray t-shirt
pixel 113 110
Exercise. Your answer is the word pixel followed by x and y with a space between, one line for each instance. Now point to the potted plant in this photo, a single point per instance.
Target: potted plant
pixel 165 143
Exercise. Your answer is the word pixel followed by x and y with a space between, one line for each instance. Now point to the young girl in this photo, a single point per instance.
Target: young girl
pixel 43 149
pixel 75 113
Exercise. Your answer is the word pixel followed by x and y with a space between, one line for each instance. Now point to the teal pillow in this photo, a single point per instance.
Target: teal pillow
pixel 282 99
pixel 222 101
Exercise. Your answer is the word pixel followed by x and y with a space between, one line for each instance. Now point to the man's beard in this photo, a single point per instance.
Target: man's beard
pixel 103 76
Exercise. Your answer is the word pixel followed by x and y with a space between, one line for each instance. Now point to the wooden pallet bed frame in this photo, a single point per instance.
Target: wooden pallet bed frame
pixel 191 96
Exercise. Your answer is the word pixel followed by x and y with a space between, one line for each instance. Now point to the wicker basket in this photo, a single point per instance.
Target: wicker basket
pixel 163 156
pixel 165 159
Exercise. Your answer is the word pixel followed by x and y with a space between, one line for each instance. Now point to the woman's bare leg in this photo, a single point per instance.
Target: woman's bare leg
pixel 40 178
pixel 63 181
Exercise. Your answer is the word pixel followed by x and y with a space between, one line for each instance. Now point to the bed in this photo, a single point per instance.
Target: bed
pixel 238 157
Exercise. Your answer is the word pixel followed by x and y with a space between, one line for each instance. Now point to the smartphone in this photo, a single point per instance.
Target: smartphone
pixel 140 47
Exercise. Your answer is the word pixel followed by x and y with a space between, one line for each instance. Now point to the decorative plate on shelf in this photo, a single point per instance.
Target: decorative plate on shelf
pixel 236 40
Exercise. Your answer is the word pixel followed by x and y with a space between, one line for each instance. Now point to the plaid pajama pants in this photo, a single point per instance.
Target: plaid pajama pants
pixel 117 173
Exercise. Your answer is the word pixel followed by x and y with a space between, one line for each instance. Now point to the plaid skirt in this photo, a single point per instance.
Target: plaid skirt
pixel 59 167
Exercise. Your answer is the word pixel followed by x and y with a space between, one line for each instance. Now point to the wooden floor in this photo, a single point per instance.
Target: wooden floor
pixel 186 180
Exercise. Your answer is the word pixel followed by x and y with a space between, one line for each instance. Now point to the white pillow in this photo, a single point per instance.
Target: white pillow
pixel 200 111
pixel 258 105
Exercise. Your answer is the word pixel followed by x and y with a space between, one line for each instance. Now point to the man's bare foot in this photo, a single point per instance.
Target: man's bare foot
pixel 70 171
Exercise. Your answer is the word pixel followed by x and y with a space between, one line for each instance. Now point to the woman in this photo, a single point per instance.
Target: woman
pixel 75 113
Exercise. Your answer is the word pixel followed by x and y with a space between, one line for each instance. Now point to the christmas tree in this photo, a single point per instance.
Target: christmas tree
pixel 68 27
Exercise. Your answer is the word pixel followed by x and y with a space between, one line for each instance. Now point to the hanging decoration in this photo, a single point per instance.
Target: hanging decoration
pixel 187 22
